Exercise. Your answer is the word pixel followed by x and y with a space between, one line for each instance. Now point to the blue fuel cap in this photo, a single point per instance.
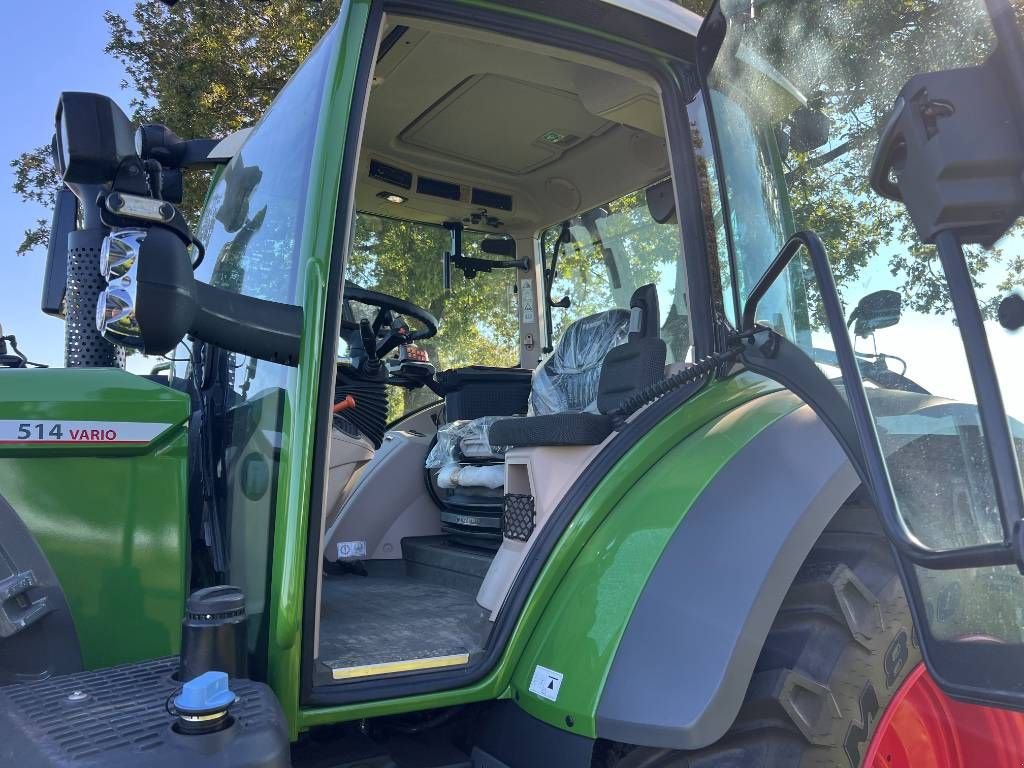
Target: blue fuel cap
pixel 205 694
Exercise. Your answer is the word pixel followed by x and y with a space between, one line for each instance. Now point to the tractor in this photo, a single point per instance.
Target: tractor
pixel 544 384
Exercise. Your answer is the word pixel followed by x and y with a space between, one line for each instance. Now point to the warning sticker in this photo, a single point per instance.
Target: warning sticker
pixel 546 683
pixel 527 301
pixel 350 550
pixel 65 432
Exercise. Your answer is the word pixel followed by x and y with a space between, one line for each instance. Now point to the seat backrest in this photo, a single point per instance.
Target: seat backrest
pixel 568 379
pixel 640 362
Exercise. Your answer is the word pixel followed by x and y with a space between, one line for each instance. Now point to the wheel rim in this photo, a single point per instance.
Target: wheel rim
pixel 924 728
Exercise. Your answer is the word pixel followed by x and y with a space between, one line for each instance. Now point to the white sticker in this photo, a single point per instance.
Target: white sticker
pixel 351 550
pixel 546 683
pixel 526 297
pixel 67 432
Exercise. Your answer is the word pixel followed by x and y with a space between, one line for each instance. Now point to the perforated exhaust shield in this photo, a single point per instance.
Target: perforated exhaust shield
pixel 84 347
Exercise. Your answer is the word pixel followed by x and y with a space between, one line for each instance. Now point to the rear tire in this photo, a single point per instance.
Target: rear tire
pixel 839 648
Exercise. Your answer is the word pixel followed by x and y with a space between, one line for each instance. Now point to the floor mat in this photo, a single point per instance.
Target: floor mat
pixel 389 623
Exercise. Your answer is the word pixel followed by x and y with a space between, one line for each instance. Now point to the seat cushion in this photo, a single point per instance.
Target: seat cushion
pixel 568 379
pixel 551 429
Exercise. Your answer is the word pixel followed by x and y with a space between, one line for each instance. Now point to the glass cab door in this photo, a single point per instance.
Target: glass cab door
pixel 897 313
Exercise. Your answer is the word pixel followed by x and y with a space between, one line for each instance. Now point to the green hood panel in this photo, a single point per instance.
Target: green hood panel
pixel 74 410
pixel 109 516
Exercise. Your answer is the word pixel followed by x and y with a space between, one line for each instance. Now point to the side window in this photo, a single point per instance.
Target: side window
pixel 613 250
pixel 804 164
pixel 477 318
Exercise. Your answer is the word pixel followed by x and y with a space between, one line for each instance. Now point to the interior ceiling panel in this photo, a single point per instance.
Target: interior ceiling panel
pixel 504 124
pixel 471 107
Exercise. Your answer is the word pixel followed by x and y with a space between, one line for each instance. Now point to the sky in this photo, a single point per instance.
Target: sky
pixel 49 46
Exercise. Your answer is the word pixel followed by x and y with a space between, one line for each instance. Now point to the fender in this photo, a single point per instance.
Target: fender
pixel 692 653
pixel 682 582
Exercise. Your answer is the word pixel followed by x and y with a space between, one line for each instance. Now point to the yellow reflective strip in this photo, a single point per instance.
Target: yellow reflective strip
pixel 391 667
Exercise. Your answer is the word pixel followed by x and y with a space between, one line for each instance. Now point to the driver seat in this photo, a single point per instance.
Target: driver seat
pixel 598 362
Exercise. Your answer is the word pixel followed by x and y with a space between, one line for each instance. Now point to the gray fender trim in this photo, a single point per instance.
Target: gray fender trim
pixel 49 645
pixel 688 652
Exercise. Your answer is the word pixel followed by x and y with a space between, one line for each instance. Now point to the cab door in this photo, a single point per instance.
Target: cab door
pixel 893 267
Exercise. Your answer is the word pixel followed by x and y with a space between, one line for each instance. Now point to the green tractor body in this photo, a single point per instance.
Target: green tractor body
pixel 121 464
pixel 712 529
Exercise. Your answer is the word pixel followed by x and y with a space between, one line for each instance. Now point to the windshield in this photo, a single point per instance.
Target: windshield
pixel 798 94
pixel 477 320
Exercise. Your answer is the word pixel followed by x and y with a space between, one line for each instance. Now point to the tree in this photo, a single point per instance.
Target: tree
pixel 35 181
pixel 203 67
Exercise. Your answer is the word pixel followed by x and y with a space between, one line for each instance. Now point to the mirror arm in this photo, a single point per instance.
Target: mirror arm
pixel 776 268
pixel 549 274
pixel 267 330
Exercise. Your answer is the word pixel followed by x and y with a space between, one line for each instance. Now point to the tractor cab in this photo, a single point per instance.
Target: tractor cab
pixel 514 275
pixel 581 384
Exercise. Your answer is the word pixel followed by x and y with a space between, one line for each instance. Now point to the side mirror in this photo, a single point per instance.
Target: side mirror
pixel 152 301
pixel 808 129
pixel 94 137
pixel 55 278
pixel 877 310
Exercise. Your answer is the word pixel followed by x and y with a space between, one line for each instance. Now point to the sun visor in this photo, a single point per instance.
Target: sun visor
pixel 619 100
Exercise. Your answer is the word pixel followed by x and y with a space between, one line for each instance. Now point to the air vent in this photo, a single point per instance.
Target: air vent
pixel 488 199
pixel 390 174
pixel 436 188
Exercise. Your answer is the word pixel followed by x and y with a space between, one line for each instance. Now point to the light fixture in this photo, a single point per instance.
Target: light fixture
pixel 391 197
pixel 116 318
pixel 119 252
pixel 116 306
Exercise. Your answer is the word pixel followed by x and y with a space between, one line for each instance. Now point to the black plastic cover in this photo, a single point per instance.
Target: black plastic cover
pixel 65 214
pixel 214 633
pixel 479 390
pixel 953 171
pixel 93 138
pixel 118 717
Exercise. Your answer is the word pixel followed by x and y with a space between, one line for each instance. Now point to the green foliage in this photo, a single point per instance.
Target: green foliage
pixel 35 181
pixel 208 67
pixel 204 68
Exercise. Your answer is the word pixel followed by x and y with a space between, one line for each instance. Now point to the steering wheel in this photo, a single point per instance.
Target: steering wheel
pixel 385 305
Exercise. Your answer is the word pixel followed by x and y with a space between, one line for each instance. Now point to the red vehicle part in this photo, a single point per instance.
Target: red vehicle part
pixel 924 728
